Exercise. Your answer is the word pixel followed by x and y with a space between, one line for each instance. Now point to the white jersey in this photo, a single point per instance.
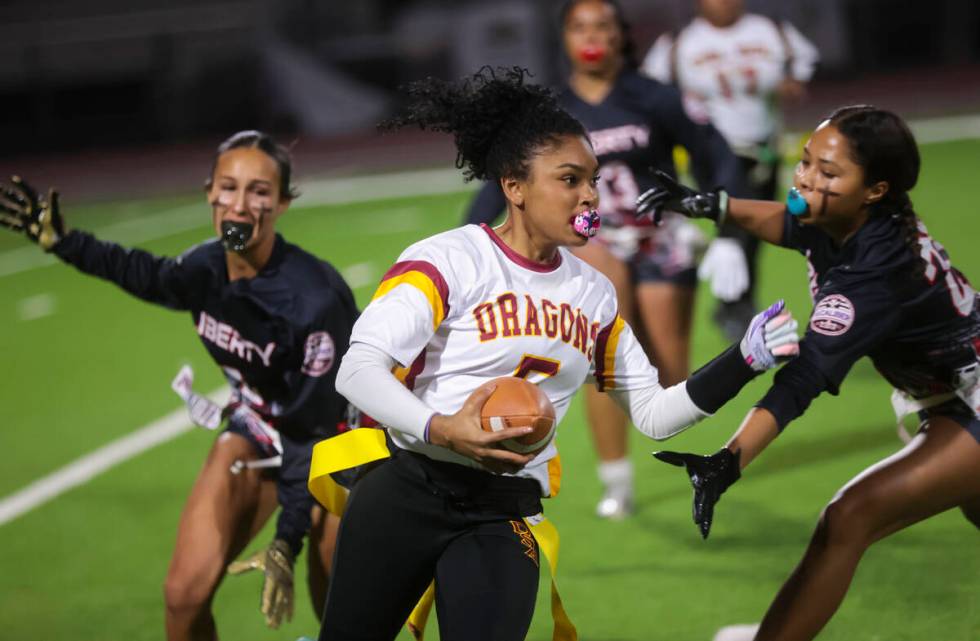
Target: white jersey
pixel 461 308
pixel 730 75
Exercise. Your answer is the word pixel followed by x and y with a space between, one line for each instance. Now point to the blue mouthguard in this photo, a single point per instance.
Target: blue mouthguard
pixel 795 203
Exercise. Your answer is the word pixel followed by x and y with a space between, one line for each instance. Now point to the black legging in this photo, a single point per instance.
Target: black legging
pixel 413 519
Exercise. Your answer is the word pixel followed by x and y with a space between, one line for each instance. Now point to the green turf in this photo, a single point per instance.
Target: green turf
pixel 90 564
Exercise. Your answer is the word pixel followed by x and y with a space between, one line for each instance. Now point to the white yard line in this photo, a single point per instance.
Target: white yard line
pixel 35 307
pixel 325 192
pixel 91 465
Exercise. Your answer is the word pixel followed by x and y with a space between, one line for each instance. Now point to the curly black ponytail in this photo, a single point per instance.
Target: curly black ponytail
pixel 884 146
pixel 497 120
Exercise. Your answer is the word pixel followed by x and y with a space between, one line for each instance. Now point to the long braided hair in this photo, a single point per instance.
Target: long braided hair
pixel 498 121
pixel 883 145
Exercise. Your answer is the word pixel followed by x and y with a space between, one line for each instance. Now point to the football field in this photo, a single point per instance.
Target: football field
pixel 84 364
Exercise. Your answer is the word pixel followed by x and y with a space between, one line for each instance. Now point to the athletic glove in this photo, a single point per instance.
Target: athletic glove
pixel 725 266
pixel 23 211
pixel 770 339
pixel 710 477
pixel 276 561
pixel 670 195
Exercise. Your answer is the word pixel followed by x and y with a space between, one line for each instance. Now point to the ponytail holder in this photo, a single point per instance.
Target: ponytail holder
pixel 796 204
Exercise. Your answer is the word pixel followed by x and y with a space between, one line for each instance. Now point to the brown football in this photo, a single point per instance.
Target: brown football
pixel 518 403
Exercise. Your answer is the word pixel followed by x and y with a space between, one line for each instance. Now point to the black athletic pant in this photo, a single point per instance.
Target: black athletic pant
pixel 413 519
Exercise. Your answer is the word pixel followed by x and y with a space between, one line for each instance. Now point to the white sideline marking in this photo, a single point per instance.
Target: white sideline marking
pixel 34 307
pixel 91 465
pixel 739 632
pixel 360 274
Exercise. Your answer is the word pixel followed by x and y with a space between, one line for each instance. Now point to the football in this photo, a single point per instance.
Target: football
pixel 518 403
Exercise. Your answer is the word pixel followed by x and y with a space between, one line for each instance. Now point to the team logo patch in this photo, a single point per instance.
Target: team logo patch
pixel 320 353
pixel 833 315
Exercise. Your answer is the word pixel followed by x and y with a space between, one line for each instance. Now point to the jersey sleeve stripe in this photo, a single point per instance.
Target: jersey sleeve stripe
pixel 605 354
pixel 407 375
pixel 423 276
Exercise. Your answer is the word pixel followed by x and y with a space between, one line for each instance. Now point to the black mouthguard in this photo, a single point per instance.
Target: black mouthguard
pixel 235 235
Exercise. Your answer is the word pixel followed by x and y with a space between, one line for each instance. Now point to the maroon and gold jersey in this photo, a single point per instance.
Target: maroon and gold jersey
pixel 461 308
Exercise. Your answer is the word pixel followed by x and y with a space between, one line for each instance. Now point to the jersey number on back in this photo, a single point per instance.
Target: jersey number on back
pixel 937 260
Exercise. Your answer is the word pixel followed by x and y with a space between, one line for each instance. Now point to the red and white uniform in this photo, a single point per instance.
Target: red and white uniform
pixel 729 75
pixel 461 308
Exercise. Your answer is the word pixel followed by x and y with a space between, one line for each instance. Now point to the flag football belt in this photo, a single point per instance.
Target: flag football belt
pixel 365 445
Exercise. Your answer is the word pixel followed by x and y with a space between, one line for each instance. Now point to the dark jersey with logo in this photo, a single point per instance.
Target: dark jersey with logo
pixel 634 128
pixel 278 337
pixel 913 314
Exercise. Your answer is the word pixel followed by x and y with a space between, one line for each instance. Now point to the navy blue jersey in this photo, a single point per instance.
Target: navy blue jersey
pixel 634 128
pixel 278 337
pixel 913 314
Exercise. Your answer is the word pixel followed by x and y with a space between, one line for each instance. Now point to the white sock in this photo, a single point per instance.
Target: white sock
pixel 617 475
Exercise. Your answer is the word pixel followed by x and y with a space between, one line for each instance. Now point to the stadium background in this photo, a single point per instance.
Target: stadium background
pixel 120 107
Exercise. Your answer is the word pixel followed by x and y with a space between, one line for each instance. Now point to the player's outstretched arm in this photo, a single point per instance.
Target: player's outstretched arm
pixel 151 278
pixel 23 211
pixel 761 218
pixel 661 413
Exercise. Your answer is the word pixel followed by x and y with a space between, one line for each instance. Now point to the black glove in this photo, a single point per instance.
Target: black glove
pixel 670 195
pixel 22 211
pixel 710 477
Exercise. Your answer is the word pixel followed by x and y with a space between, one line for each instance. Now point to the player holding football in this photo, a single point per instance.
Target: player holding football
pixel 734 69
pixel 472 304
pixel 276 320
pixel 633 123
pixel 882 288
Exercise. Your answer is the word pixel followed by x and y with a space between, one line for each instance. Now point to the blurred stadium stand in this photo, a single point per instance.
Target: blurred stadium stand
pixel 116 86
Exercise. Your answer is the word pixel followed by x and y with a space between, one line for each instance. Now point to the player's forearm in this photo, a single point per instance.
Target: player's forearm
pixel 661 413
pixel 365 379
pixel 658 412
pixel 756 432
pixel 762 218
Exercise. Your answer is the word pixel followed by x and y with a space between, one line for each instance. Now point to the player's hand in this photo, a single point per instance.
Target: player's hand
pixel 462 433
pixel 670 195
pixel 725 266
pixel 23 211
pixel 276 562
pixel 771 338
pixel 710 477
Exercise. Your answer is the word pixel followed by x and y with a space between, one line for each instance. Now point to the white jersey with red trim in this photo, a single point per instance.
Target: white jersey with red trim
pixel 461 308
pixel 729 75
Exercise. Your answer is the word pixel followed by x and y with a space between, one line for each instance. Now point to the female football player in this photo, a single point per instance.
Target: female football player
pixel 276 320
pixel 736 69
pixel 882 288
pixel 634 123
pixel 460 309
